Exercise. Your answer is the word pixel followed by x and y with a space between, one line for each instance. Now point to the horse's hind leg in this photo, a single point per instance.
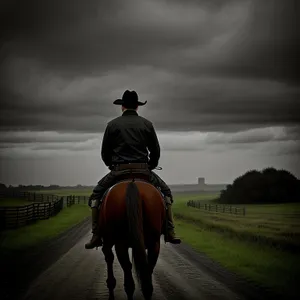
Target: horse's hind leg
pixel 111 280
pixel 153 253
pixel 123 257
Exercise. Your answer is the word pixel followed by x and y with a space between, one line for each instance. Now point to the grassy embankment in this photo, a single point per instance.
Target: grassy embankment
pixel 243 244
pixel 43 230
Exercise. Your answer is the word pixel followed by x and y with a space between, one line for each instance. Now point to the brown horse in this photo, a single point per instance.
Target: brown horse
pixel 132 216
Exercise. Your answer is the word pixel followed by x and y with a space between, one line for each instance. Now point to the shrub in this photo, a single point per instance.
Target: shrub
pixel 266 186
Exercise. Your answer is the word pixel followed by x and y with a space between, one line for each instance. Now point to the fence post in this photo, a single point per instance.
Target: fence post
pixel 17 219
pixel 27 213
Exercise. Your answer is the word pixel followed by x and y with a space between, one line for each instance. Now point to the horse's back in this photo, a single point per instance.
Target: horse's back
pixel 114 213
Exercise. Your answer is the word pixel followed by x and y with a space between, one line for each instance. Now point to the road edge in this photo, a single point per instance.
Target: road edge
pixel 237 283
pixel 24 270
pixel 23 267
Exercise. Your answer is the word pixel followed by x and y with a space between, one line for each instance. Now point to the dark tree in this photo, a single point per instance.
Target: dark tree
pixel 268 186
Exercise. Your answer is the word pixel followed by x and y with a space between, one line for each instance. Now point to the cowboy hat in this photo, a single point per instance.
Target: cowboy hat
pixel 129 99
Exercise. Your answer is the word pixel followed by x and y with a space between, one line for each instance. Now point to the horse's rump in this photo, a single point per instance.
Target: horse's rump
pixel 113 219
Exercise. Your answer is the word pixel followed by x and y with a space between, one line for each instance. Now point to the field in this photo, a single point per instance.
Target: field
pixel 243 244
pixel 66 192
pixel 41 231
pixel 13 202
pixel 258 246
pixel 274 224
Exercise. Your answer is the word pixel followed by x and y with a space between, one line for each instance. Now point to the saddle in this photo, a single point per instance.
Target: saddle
pixel 133 171
pixel 137 171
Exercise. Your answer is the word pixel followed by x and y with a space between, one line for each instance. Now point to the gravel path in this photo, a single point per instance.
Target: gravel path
pixel 81 274
pixel 71 272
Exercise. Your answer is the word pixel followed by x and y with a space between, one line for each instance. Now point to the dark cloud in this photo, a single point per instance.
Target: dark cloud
pixel 8 138
pixel 268 46
pixel 211 65
pixel 83 38
pixel 77 38
pixel 204 105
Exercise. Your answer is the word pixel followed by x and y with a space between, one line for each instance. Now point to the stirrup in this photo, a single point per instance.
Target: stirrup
pixel 172 240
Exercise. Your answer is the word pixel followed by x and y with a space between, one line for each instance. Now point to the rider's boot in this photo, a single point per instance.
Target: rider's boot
pixel 96 240
pixel 170 234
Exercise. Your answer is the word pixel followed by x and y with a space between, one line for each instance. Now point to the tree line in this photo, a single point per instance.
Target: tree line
pixel 267 186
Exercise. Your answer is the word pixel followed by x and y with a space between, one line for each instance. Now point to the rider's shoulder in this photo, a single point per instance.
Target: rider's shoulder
pixel 119 119
pixel 148 122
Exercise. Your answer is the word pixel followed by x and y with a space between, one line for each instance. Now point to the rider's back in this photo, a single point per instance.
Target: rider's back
pixel 129 137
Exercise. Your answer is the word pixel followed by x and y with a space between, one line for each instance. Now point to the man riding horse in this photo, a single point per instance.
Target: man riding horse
pixel 125 146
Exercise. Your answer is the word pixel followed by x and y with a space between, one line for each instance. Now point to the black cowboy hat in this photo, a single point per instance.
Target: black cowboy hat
pixel 129 99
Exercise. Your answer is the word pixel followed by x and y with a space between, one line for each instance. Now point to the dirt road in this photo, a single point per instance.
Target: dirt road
pixel 63 269
pixel 81 274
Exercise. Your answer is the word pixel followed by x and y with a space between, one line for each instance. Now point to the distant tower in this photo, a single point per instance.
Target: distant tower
pixel 201 181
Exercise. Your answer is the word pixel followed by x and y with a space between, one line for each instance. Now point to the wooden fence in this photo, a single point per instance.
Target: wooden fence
pixel 71 200
pixel 17 216
pixel 44 206
pixel 217 207
pixel 37 197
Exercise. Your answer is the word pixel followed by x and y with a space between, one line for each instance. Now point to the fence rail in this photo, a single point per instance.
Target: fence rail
pixel 43 207
pixel 217 207
pixel 72 199
pixel 13 217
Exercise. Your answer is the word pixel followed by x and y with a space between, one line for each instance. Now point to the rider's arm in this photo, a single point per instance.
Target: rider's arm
pixel 154 148
pixel 106 149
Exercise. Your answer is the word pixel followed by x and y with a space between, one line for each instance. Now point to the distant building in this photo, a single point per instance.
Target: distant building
pixel 201 186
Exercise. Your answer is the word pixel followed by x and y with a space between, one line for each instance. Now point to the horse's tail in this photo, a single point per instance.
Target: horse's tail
pixel 136 236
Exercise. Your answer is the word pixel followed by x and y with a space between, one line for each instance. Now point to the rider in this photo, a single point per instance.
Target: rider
pixel 127 139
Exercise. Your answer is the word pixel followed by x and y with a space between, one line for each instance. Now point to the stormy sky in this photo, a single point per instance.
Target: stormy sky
pixel 221 78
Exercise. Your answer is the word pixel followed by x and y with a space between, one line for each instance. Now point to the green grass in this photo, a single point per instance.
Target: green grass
pixel 273 224
pixel 261 264
pixel 225 238
pixel 43 230
pixel 222 237
pixel 14 202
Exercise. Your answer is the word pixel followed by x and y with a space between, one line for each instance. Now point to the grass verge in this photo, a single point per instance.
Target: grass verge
pixel 44 230
pixel 267 267
pixel 275 225
pixel 243 244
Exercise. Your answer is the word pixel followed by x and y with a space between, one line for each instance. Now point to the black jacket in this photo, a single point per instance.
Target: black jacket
pixel 128 138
